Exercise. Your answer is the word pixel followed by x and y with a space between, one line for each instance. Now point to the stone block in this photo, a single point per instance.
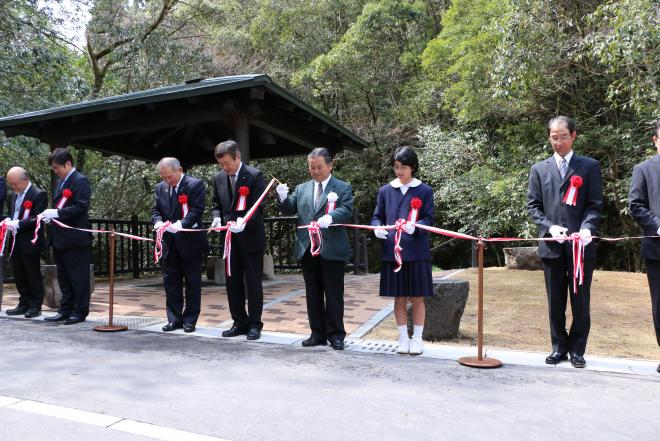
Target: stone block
pixel 523 258
pixel 444 309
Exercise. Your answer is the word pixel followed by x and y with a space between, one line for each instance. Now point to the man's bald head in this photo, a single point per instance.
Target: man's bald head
pixel 18 179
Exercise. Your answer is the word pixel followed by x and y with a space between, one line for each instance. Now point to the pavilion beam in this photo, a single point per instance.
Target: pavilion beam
pixel 273 123
pixel 242 135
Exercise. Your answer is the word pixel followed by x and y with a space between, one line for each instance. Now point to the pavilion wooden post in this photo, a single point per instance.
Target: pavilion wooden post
pixel 242 135
pixel 480 361
pixel 110 327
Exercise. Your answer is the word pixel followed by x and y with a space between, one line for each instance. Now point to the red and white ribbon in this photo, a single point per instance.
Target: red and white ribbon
pixel 415 205
pixel 243 193
pixel 4 229
pixel 578 261
pixel 332 202
pixel 227 248
pixel 66 194
pixel 315 238
pixel 571 195
pixel 398 258
pixel 27 206
pixel 183 201
pixel 158 246
pixel 37 227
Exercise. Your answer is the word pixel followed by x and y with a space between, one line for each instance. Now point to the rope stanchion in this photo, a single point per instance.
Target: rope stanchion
pixel 111 327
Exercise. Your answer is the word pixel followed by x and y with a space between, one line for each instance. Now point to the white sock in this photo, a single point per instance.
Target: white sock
pixel 418 331
pixel 403 332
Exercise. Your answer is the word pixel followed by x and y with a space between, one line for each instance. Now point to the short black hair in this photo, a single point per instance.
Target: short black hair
pixel 570 123
pixel 657 127
pixel 406 156
pixel 321 151
pixel 60 156
pixel 227 147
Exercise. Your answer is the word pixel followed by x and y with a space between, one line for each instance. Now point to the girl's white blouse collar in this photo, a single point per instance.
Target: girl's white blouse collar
pixel 397 184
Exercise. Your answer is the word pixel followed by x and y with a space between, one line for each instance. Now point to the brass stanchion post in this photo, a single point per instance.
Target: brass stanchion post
pixel 110 327
pixel 480 361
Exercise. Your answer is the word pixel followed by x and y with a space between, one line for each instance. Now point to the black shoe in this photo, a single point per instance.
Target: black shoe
pixel 578 361
pixel 314 341
pixel 57 318
pixel 32 313
pixel 234 332
pixel 254 334
pixel 171 327
pixel 555 358
pixel 73 320
pixel 188 327
pixel 338 344
pixel 19 310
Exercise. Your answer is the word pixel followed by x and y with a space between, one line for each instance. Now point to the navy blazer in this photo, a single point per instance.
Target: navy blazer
pixel 253 238
pixel 545 192
pixel 75 213
pixel 644 203
pixel 188 244
pixel 26 227
pixel 392 205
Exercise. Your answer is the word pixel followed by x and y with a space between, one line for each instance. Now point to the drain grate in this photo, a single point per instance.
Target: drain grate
pixel 373 347
pixel 126 320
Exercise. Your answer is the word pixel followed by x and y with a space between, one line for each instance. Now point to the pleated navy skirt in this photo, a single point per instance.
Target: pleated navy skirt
pixel 415 279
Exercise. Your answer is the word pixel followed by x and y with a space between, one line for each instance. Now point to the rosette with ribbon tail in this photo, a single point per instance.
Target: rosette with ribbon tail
pixel 243 192
pixel 66 195
pixel 332 202
pixel 571 195
pixel 415 205
pixel 27 206
pixel 183 201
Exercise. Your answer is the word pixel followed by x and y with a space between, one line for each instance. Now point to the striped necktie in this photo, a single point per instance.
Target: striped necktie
pixel 563 168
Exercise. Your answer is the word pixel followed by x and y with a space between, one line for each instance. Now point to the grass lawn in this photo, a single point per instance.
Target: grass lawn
pixel 516 314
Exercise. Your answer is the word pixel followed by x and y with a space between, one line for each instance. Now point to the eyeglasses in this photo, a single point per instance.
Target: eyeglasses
pixel 556 139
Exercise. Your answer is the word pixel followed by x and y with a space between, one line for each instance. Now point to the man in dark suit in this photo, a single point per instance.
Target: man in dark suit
pixel 180 199
pixel 327 200
pixel 72 248
pixel 644 203
pixel 549 182
pixel 248 240
pixel 25 203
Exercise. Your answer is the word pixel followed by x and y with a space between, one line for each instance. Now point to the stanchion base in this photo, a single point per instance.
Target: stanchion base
pixel 110 328
pixel 484 363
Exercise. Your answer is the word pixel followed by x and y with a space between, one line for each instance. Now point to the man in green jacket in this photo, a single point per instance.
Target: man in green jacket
pixel 325 200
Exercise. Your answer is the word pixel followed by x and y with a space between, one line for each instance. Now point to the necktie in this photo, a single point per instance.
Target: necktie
pixel 318 195
pixel 172 196
pixel 563 167
pixel 17 205
pixel 232 178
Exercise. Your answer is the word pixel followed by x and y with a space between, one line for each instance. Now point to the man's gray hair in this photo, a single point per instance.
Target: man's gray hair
pixel 322 152
pixel 169 162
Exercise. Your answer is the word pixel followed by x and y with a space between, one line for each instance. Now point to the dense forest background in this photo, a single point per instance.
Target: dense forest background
pixel 470 83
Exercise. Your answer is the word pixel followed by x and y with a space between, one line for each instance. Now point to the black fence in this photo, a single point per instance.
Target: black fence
pixel 136 257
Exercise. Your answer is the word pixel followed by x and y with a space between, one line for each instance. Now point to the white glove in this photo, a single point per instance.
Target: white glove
pixel 381 233
pixel 45 220
pixel 558 233
pixel 325 221
pixel 13 225
pixel 282 191
pixel 217 222
pixel 658 232
pixel 7 220
pixel 409 228
pixel 50 213
pixel 585 234
pixel 158 224
pixel 175 227
pixel 239 226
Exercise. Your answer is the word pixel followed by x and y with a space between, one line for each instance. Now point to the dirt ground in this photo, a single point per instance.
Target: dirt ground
pixel 516 314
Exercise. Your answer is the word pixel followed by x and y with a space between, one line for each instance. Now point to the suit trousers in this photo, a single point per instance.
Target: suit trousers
pixel 73 277
pixel 246 275
pixel 324 290
pixel 178 271
pixel 653 274
pixel 559 285
pixel 27 276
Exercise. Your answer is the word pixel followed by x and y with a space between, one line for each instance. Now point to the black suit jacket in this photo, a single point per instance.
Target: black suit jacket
pixel 544 201
pixel 644 203
pixel 253 238
pixel 75 213
pixel 25 233
pixel 187 244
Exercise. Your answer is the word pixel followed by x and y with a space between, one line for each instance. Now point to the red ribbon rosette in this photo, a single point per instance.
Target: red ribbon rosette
pixel 66 195
pixel 570 198
pixel 415 205
pixel 183 201
pixel 27 205
pixel 243 192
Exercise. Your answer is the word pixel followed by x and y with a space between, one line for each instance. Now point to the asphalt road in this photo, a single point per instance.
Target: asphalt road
pixel 235 390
